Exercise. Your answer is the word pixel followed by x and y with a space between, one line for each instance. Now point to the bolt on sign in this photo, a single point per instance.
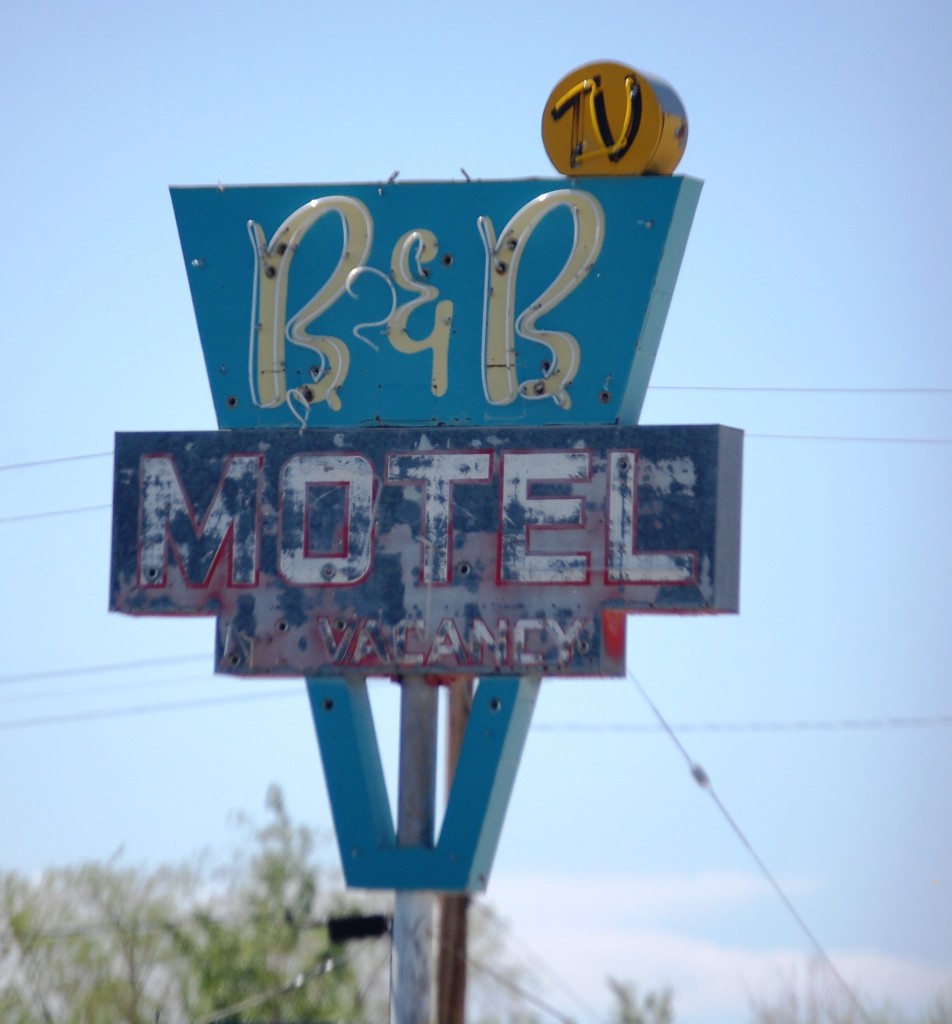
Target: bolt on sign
pixel 481 551
pixel 531 302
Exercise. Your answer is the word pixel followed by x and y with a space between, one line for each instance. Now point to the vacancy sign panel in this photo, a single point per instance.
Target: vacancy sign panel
pixel 477 551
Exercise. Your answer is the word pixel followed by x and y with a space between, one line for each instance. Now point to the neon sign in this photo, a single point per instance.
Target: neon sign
pixel 608 118
pixel 271 326
pixel 433 303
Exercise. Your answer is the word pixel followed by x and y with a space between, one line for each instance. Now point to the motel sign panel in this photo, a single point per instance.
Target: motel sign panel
pixel 482 551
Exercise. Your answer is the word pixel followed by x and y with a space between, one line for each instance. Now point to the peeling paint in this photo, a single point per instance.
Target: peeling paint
pixel 381 551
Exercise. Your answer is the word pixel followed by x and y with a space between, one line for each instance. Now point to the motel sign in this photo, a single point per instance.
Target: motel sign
pixel 456 551
pixel 429 464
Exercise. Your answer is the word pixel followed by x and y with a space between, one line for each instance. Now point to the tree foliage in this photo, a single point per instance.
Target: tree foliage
pixel 87 944
pixel 820 998
pixel 233 944
pixel 108 942
pixel 630 1008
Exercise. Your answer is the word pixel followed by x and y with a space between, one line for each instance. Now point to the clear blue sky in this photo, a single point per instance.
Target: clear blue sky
pixel 819 259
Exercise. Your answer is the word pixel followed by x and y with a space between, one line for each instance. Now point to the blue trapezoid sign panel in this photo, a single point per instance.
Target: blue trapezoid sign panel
pixel 486 550
pixel 528 302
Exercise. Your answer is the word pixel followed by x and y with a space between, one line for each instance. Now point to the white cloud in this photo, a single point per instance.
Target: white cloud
pixel 597 928
pixel 618 896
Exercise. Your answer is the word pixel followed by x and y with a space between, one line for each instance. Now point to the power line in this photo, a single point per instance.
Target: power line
pixel 53 512
pixel 751 726
pixel 146 709
pixel 374 974
pixel 538 963
pixel 518 990
pixel 74 692
pixel 325 967
pixel 58 935
pixel 765 726
pixel 841 438
pixel 801 391
pixel 114 666
pixel 801 725
pixel 54 461
pixel 702 779
pixel 848 438
pixel 732 388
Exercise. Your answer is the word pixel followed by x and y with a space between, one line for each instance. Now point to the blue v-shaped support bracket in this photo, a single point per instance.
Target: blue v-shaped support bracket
pixel 479 795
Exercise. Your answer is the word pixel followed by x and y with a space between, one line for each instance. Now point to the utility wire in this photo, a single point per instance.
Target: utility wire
pixel 74 692
pixel 816 725
pixel 114 666
pixel 31 939
pixel 843 437
pixel 894 722
pixel 537 962
pixel 702 779
pixel 801 725
pixel 374 974
pixel 146 709
pixel 734 388
pixel 55 936
pixel 53 512
pixel 840 438
pixel 325 967
pixel 518 990
pixel 802 391
pixel 54 461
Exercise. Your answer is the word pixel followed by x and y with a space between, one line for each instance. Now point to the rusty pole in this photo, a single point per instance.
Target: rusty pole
pixel 451 961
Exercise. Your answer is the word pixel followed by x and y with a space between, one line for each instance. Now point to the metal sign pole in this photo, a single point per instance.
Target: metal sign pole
pixel 412 969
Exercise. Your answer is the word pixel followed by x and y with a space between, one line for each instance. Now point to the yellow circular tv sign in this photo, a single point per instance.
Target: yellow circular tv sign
pixel 609 119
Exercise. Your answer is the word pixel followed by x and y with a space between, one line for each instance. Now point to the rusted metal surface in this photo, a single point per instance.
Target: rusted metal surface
pixel 480 551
